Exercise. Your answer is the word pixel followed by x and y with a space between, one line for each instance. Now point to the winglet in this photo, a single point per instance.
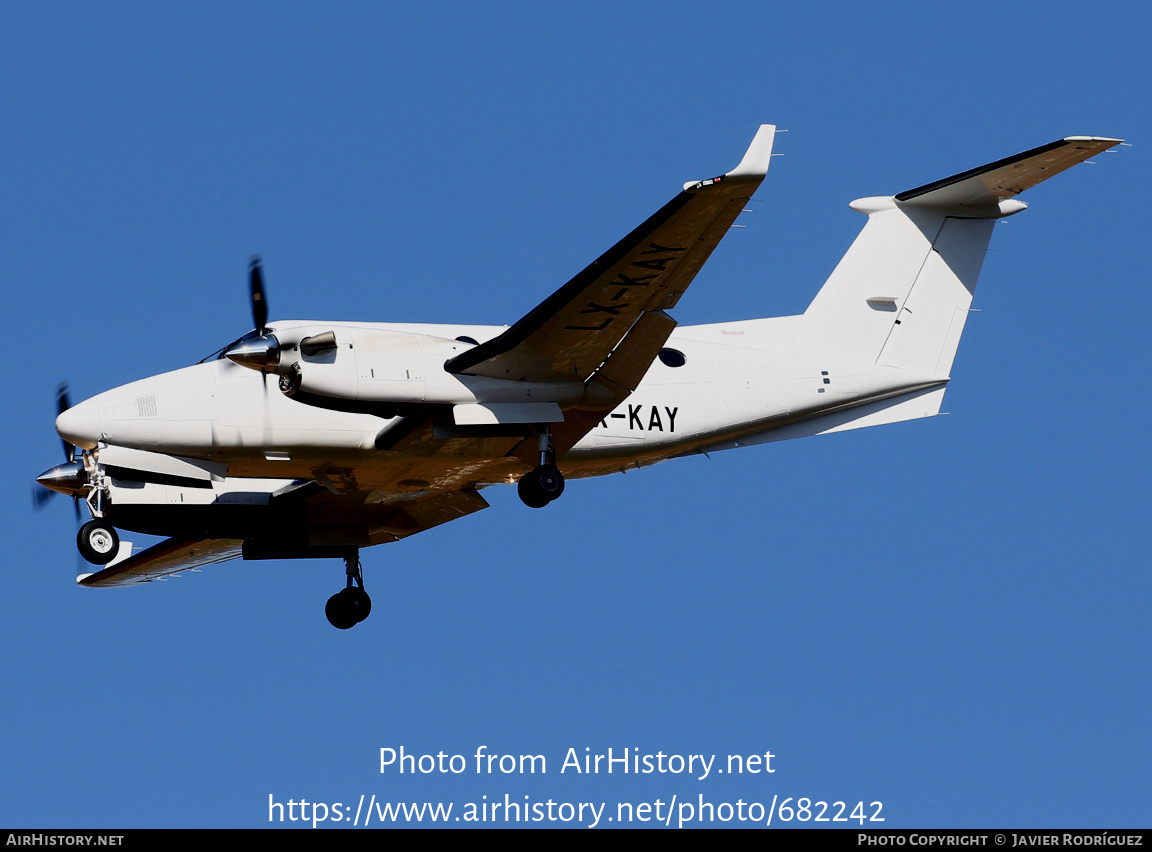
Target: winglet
pixel 758 155
pixel 755 163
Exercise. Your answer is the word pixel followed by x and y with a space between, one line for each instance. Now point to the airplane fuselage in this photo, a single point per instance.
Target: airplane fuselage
pixel 726 382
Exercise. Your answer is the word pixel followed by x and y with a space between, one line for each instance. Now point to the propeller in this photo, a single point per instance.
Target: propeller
pixel 41 497
pixel 69 474
pixel 63 404
pixel 259 305
pixel 261 352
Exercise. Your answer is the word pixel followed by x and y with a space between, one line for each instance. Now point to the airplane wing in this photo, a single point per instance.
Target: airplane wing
pixel 568 335
pixel 335 521
pixel 168 557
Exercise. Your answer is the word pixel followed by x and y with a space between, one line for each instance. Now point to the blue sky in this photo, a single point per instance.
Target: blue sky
pixel 947 616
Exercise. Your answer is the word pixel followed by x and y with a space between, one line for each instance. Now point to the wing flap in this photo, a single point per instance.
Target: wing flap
pixel 162 560
pixel 432 510
pixel 619 375
pixel 629 362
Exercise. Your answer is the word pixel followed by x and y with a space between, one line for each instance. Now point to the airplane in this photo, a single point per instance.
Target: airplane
pixel 317 439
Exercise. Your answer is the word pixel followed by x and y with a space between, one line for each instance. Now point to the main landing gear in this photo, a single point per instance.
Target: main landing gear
pixel 544 483
pixel 541 486
pixel 351 605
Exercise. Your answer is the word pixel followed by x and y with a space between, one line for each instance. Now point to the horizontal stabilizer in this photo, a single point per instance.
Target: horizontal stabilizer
pixel 1007 178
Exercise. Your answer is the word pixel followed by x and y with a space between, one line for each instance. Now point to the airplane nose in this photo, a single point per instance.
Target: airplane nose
pixel 80 425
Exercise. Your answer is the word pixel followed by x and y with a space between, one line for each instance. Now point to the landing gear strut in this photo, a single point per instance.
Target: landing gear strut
pixel 351 605
pixel 97 540
pixel 544 483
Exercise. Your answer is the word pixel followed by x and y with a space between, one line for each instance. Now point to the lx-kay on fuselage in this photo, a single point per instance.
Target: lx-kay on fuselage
pixel 318 438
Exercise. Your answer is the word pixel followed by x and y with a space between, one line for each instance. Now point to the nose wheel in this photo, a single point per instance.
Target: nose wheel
pixel 98 542
pixel 351 605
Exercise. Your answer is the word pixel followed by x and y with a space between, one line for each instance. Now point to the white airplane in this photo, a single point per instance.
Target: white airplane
pixel 316 439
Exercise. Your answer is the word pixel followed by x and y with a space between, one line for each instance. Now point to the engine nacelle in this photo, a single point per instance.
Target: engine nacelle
pixel 402 368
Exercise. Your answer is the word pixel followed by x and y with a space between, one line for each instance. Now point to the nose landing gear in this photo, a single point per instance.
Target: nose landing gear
pixel 351 605
pixel 97 540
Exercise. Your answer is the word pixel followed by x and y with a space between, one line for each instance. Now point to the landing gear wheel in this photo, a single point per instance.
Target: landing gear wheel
pixel 541 486
pixel 351 605
pixel 98 542
pixel 340 610
pixel 530 492
pixel 359 602
pixel 551 481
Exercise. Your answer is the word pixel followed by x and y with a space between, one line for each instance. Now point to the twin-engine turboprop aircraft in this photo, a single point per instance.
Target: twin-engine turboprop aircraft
pixel 315 439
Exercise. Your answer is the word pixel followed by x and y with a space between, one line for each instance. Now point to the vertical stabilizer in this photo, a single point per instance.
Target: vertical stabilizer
pixel 901 294
pixel 867 296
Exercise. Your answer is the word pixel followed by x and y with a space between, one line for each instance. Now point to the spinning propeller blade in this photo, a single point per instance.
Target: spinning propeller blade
pixel 259 305
pixel 63 404
pixel 262 351
pixel 41 497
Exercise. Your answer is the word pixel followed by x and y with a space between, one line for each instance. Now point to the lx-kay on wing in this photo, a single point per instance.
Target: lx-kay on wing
pixel 317 439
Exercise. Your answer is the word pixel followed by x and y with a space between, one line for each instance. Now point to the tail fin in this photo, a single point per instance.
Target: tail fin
pixel 901 294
